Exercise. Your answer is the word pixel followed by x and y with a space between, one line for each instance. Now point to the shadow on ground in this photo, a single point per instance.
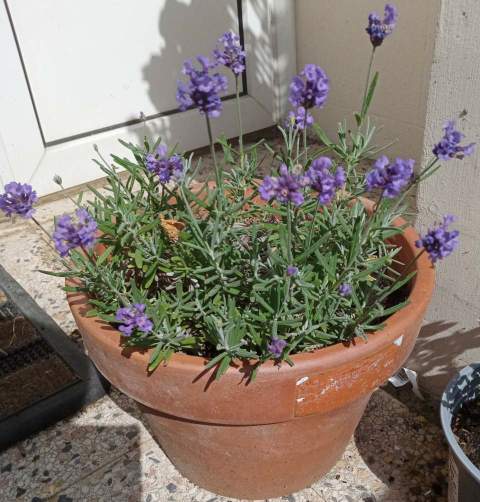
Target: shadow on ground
pixel 50 465
pixel 403 450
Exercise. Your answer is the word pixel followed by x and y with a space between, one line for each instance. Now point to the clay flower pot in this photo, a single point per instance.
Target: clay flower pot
pixel 274 435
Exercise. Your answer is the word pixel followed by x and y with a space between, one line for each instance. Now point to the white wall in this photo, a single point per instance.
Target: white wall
pixel 331 33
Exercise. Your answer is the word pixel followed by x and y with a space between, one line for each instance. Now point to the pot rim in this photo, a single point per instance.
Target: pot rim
pixel 446 416
pixel 330 356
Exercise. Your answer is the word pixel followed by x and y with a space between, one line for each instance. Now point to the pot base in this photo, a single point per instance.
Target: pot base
pixel 256 461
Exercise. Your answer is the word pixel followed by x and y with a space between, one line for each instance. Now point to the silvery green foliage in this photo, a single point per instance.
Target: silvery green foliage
pixel 220 287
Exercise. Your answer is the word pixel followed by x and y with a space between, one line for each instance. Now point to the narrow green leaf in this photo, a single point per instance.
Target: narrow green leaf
pixel 369 96
pixel 156 357
pixel 138 258
pixel 101 259
pixel 322 135
pixel 215 360
pixel 222 367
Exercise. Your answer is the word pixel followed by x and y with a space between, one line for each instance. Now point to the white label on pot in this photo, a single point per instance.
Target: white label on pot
pixel 452 480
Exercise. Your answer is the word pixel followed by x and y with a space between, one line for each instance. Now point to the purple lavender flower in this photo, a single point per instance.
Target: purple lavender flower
pixel 297 120
pixel 448 147
pixel 132 318
pixel 203 89
pixel 378 29
pixel 71 233
pixel 345 289
pixel 286 188
pixel 18 199
pixel 310 88
pixel 340 177
pixel 231 54
pixel 292 271
pixel 276 346
pixel 323 181
pixel 165 167
pixel 392 178
pixel 439 242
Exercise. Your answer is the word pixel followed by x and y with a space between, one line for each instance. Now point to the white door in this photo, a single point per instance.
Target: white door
pixel 78 73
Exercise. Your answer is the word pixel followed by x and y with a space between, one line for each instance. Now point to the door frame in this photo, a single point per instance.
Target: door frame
pixel 269 38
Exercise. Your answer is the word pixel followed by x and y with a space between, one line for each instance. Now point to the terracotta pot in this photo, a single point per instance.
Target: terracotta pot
pixel 277 434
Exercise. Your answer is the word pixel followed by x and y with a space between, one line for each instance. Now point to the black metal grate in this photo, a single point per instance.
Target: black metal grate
pixel 35 348
pixel 30 369
pixel 26 356
pixel 44 375
pixel 8 311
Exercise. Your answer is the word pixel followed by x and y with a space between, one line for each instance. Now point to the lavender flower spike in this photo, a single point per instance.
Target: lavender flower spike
pixel 71 233
pixel 18 199
pixel 345 289
pixel 392 178
pixel 132 318
pixel 449 146
pixel 165 167
pixel 292 271
pixel 285 188
pixel 298 120
pixel 323 181
pixel 231 54
pixel 310 88
pixel 276 346
pixel 439 242
pixel 203 90
pixel 378 29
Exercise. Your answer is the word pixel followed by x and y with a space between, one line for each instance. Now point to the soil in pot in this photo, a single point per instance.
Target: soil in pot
pixel 466 427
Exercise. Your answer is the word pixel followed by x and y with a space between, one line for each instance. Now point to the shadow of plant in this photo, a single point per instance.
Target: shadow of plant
pixel 177 44
pixel 437 356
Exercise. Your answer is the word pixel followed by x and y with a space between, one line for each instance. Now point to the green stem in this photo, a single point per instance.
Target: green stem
pixel 288 282
pixel 297 146
pixel 45 231
pixel 409 265
pixel 310 233
pixel 289 234
pixel 305 137
pixel 90 257
pixel 42 228
pixel 239 116
pixel 218 176
pixel 370 65
pixel 75 203
pixel 426 173
pixel 372 216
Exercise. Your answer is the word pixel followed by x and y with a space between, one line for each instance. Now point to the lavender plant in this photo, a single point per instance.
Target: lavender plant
pixel 237 267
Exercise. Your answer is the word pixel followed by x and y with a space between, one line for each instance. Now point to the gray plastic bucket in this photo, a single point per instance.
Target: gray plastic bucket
pixel 464 477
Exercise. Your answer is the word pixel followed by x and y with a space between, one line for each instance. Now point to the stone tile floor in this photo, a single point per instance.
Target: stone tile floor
pixel 105 452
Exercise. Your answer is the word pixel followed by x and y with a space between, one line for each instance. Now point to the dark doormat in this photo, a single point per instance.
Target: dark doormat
pixel 44 375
